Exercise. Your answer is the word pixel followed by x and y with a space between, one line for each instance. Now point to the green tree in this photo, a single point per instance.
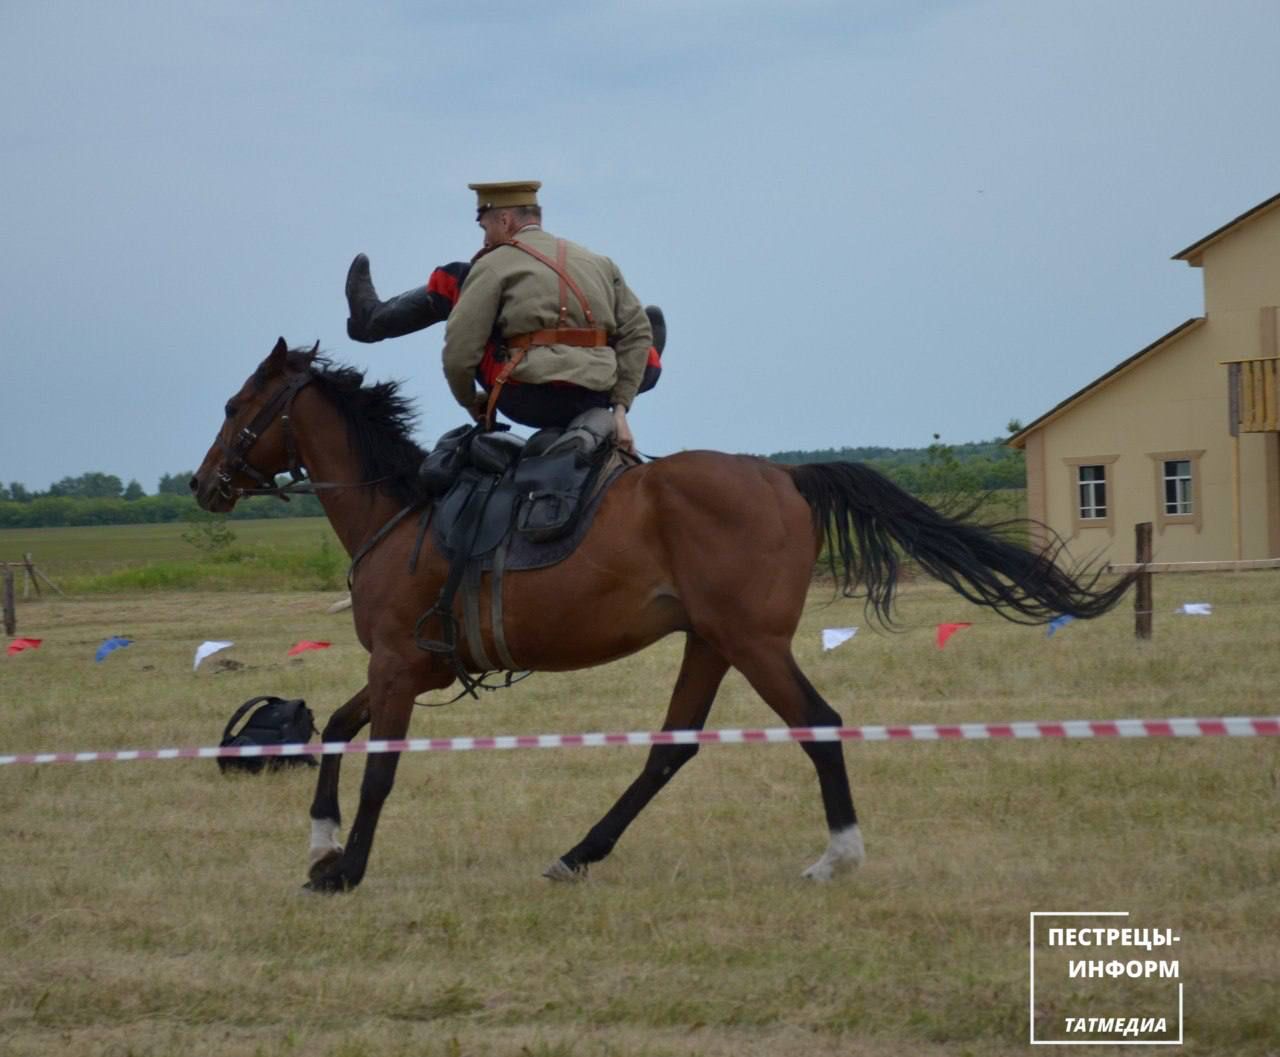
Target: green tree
pixel 89 486
pixel 175 484
pixel 133 491
pixel 18 492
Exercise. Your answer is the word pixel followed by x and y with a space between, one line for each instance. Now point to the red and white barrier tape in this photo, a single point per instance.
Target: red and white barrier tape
pixel 1234 727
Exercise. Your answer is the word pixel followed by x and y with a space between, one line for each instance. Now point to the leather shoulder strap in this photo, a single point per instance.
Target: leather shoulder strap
pixel 566 280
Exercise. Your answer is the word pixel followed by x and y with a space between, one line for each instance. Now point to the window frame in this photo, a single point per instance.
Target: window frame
pixel 1079 523
pixel 1196 517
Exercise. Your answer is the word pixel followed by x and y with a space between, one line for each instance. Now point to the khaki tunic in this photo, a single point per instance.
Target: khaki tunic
pixel 508 293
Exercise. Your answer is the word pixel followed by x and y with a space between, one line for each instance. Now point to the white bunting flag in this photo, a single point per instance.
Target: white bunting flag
pixel 833 637
pixel 1197 609
pixel 208 649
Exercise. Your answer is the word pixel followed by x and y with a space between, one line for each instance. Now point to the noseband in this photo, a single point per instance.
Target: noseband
pixel 237 451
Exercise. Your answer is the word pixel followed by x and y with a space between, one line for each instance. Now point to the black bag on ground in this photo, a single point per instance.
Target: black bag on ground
pixel 276 722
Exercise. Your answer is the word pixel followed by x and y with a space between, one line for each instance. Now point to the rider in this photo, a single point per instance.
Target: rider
pixel 518 292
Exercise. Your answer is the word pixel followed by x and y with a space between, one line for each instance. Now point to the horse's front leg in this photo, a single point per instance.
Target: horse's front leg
pixel 393 682
pixel 326 815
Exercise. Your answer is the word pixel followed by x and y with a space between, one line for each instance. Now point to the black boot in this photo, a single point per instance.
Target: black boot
pixel 658 324
pixel 372 320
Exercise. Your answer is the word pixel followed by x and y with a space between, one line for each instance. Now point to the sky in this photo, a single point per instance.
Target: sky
pixel 867 221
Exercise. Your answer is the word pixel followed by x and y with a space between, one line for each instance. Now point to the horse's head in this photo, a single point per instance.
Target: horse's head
pixel 256 441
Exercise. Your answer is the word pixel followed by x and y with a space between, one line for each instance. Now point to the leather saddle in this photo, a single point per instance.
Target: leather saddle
pixel 501 502
pixel 491 485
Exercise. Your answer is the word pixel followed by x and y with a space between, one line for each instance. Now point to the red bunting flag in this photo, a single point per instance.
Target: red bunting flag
pixel 306 644
pixel 18 645
pixel 945 631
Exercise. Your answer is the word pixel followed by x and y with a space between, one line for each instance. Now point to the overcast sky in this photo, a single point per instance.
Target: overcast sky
pixel 867 222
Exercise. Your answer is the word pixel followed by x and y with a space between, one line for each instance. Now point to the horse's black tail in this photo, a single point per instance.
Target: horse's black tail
pixel 868 522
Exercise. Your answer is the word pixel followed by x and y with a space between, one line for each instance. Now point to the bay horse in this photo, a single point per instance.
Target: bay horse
pixel 718 547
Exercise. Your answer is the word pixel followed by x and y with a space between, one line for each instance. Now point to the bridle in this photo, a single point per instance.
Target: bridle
pixel 236 451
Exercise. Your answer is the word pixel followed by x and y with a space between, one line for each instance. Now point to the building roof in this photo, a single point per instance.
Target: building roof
pixel 1194 253
pixel 1019 439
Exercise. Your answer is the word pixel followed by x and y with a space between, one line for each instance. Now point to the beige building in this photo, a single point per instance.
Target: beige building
pixel 1185 433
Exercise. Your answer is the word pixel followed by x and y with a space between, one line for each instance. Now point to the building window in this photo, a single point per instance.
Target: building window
pixel 1177 486
pixel 1179 498
pixel 1093 492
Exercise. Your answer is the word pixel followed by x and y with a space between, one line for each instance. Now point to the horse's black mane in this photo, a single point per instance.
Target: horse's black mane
pixel 380 422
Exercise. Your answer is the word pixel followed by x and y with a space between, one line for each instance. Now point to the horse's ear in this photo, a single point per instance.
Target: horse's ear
pixel 279 355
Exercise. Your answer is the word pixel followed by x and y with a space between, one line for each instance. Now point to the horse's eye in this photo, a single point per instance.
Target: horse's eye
pixel 231 409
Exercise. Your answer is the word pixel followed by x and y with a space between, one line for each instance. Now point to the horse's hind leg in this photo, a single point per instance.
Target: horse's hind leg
pixel 326 816
pixel 776 677
pixel 699 679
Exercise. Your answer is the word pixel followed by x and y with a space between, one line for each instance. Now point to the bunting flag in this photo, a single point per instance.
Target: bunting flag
pixel 116 642
pixel 1057 624
pixel 18 645
pixel 945 631
pixel 304 645
pixel 1196 609
pixel 833 637
pixel 208 649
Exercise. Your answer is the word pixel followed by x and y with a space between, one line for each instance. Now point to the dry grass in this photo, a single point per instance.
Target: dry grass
pixel 154 908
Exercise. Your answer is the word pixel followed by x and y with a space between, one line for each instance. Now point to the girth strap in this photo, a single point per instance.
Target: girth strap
pixel 496 614
pixel 471 615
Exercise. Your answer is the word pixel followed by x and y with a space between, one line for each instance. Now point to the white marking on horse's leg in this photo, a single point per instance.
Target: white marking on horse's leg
pixel 844 852
pixel 561 871
pixel 324 839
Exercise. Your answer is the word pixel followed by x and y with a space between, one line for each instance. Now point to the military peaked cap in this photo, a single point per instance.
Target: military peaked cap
pixel 506 194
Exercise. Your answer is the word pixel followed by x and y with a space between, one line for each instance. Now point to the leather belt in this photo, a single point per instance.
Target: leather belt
pixel 579 337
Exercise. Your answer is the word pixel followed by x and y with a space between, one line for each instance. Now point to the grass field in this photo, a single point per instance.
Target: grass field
pixel 261 555
pixel 83 552
pixel 155 908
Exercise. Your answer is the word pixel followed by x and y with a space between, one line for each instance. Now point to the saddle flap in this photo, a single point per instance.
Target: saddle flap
pixel 476 514
pixel 550 487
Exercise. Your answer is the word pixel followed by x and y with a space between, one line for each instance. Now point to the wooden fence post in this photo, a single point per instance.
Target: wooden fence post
pixel 1142 601
pixel 10 617
pixel 29 579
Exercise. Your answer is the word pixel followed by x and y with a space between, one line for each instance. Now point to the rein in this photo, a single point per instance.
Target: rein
pixel 237 451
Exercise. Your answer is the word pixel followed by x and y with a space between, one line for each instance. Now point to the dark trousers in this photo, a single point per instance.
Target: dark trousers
pixel 540 406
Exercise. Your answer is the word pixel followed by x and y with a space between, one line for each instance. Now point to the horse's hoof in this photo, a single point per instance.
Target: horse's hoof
pixel 330 884
pixel 828 870
pixel 562 871
pixel 843 854
pixel 820 872
pixel 327 876
pixel 323 862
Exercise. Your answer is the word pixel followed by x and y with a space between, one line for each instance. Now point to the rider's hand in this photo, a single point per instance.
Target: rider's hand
pixel 622 431
pixel 479 406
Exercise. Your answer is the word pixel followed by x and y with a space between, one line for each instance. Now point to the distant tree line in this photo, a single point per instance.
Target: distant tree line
pixel 102 499
pixel 981 466
pixel 95 486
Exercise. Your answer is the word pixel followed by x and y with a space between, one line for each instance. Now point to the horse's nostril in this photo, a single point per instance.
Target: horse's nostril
pixel 194 484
